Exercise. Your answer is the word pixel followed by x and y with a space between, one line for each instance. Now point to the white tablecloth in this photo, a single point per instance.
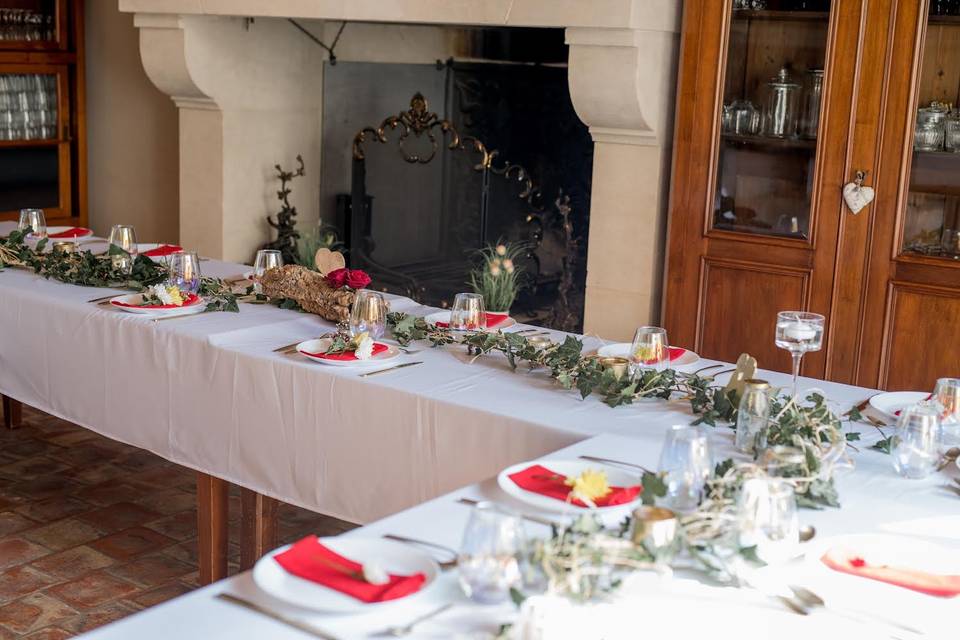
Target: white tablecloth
pixel 207 392
pixel 875 500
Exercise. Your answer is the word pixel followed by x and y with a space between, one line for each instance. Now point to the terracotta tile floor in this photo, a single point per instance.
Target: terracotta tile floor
pixel 92 530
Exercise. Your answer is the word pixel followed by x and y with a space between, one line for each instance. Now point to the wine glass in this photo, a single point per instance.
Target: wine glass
pixel 123 237
pixel 650 349
pixel 368 314
pixel 468 313
pixel 946 395
pixel 491 554
pixel 915 448
pixel 687 461
pixel 266 259
pixel 799 332
pixel 35 220
pixel 767 519
pixel 185 271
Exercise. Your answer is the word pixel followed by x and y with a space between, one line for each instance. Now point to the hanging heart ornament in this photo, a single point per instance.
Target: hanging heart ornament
pixel 856 195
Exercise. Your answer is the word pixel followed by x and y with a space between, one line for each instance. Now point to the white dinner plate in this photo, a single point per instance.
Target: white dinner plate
pixel 54 230
pixel 394 557
pixel 622 350
pixel 616 477
pixel 888 404
pixel 444 316
pixel 134 298
pixel 884 549
pixel 319 345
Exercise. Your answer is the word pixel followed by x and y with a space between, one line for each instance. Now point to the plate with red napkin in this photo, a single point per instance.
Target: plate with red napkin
pixel 154 250
pixel 68 233
pixel 346 574
pixel 131 304
pixel 495 321
pixel 678 355
pixel 892 403
pixel 541 483
pixel 316 350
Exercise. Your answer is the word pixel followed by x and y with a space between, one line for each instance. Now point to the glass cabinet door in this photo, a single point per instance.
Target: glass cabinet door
pixel 770 116
pixel 932 222
pixel 33 24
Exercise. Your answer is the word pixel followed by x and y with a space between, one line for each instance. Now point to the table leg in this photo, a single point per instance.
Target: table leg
pixel 259 532
pixel 12 412
pixel 212 507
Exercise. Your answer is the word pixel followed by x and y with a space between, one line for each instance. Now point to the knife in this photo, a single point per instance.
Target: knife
pixel 393 368
pixel 274 615
pixel 470 502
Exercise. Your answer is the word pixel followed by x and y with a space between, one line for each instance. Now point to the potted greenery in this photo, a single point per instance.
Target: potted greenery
pixel 498 277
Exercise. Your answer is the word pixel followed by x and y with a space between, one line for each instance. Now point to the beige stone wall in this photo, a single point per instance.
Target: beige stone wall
pixel 132 131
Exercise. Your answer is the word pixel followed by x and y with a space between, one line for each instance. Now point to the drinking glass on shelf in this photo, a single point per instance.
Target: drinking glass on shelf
pixel 915 447
pixel 950 242
pixel 266 259
pixel 368 314
pixel 767 519
pixel 946 397
pixel 799 332
pixel 687 461
pixel 123 237
pixel 951 132
pixel 34 219
pixel 491 554
pixel 650 348
pixel 744 118
pixel 468 313
pixel 185 271
pixel 928 135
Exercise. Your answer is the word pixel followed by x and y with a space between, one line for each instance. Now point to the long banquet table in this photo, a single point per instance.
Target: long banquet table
pixel 875 500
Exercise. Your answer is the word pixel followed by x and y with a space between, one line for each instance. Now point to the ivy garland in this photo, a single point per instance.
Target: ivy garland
pixel 88 270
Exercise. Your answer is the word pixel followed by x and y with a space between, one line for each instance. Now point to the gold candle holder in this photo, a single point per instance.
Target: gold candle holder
pixel 619 366
pixel 64 246
pixel 655 529
pixel 541 342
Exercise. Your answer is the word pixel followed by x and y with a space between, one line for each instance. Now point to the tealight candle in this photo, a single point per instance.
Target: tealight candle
pixel 799 331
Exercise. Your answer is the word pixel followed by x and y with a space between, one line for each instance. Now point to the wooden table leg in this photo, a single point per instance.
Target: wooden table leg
pixel 259 532
pixel 212 507
pixel 12 412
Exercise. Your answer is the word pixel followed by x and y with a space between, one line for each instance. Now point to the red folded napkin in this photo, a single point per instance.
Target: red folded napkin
pixel 846 561
pixel 899 411
pixel 675 352
pixel 189 301
pixel 493 319
pixel 75 232
pixel 539 479
pixel 310 560
pixel 163 250
pixel 347 355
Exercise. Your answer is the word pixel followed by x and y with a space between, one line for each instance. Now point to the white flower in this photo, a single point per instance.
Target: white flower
pixel 364 350
pixel 373 572
pixel 494 270
pixel 501 250
pixel 508 265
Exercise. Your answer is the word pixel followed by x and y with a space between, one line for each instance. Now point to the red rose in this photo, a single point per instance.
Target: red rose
pixel 357 279
pixel 337 278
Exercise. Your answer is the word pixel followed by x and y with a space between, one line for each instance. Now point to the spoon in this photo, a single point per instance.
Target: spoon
pixel 807 532
pixel 404 630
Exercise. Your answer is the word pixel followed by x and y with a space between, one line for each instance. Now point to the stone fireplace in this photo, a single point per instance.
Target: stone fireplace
pixel 249 89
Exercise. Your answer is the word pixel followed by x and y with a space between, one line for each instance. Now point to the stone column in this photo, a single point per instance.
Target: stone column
pixel 622 83
pixel 249 97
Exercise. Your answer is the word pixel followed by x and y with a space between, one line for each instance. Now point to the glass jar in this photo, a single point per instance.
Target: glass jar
pixel 810 118
pixel 744 118
pixel 752 417
pixel 930 129
pixel 951 132
pixel 780 111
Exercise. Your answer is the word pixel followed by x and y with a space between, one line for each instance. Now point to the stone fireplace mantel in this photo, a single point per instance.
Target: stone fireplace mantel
pixel 249 95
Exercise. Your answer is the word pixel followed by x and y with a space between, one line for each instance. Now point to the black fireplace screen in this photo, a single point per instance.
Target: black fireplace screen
pixel 521 173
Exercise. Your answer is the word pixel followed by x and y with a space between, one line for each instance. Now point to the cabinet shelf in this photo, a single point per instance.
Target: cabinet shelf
pixel 732 139
pixel 954 20
pixel 8 144
pixel 783 16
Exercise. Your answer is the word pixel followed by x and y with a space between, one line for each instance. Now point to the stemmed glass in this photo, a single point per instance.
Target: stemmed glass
pixel 915 448
pixel 799 332
pixel 368 314
pixel 491 555
pixel 687 461
pixel 767 519
pixel 185 271
pixel 946 395
pixel 468 313
pixel 650 349
pixel 35 220
pixel 266 259
pixel 123 237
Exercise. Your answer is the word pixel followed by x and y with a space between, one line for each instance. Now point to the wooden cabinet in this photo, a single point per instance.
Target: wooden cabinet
pixel 42 128
pixel 777 109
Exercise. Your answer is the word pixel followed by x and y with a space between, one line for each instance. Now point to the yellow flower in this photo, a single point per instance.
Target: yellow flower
pixel 648 353
pixel 358 340
pixel 589 486
pixel 501 250
pixel 176 296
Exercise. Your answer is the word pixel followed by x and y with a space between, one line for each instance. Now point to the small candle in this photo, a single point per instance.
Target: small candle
pixel 799 331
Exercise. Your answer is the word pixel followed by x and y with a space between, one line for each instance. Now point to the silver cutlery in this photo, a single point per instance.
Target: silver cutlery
pixel 619 462
pixel 809 600
pixel 287 347
pixel 388 369
pixel 707 368
pixel 807 532
pixel 103 299
pixel 526 331
pixel 719 373
pixel 274 615
pixel 472 503
pixel 446 564
pixel 406 629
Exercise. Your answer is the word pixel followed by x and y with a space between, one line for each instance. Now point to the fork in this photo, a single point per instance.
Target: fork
pixel 809 600
pixel 620 462
pixel 446 564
